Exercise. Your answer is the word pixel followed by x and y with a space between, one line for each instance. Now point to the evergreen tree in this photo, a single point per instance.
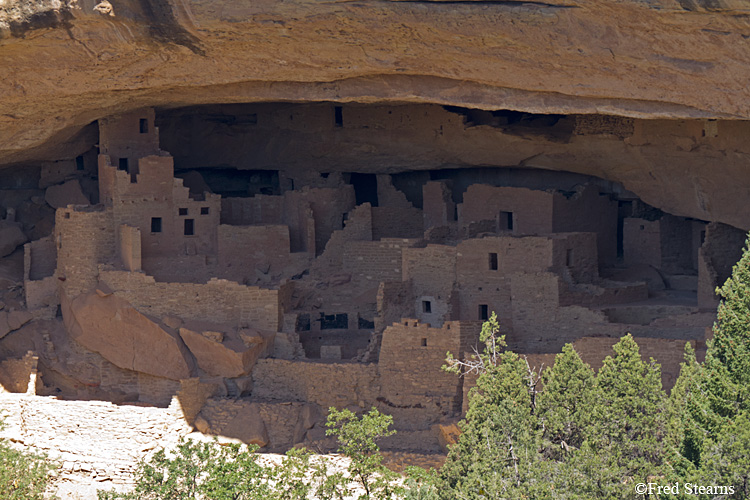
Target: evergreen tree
pixel 629 421
pixel 498 452
pixel 565 404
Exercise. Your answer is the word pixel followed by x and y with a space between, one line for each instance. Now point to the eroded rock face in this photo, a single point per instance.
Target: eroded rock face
pixel 656 59
pixel 223 357
pixel 110 326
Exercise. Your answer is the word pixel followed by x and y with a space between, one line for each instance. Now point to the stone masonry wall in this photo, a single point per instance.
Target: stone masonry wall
pixel 219 301
pixel 411 358
pixel 84 237
pixel 532 210
pixel 325 384
pixel 375 261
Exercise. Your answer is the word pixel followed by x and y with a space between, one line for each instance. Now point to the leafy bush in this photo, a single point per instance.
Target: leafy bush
pixel 23 475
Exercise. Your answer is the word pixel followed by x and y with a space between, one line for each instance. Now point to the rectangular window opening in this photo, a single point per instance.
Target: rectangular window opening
pixel 426 306
pixel 424 342
pixel 189 227
pixel 569 257
pixel 338 116
pixel 505 221
pixel 143 125
pixel 493 262
pixel 122 164
pixel 182 211
pixel 484 312
pixel 79 163
pixel 204 210
pixel 156 224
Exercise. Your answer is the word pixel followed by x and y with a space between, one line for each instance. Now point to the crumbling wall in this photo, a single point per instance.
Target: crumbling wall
pixel 717 256
pixel 358 227
pixel 587 210
pixel 531 211
pixel 395 216
pixel 375 261
pixel 84 237
pixel 411 357
pixel 431 272
pixel 130 247
pixel 438 208
pixel 248 253
pixel 325 384
pixel 39 264
pixel 641 242
pixel 324 208
pixel 218 301
pixel 131 136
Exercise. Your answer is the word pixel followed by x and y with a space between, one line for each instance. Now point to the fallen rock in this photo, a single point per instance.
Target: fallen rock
pixel 247 426
pixel 201 425
pixel 16 319
pixel 309 416
pixel 104 290
pixel 172 322
pixel 11 236
pixel 112 327
pixel 68 193
pixel 230 358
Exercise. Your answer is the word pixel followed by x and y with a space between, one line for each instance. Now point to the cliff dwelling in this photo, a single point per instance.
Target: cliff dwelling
pixel 258 263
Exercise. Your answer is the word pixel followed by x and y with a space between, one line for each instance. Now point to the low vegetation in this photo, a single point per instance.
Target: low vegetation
pixel 23 475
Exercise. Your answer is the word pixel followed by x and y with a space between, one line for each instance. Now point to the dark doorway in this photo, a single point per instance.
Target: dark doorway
pixel 189 227
pixel 365 188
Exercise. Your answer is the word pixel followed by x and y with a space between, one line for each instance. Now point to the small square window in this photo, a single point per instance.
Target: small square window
pixel 426 306
pixel 122 164
pixel 182 211
pixel 493 262
pixel 67 215
pixel 484 312
pixel 189 227
pixel 156 224
pixel 204 210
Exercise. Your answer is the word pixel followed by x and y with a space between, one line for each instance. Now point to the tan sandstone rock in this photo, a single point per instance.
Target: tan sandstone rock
pixel 11 236
pixel 62 195
pixel 247 426
pixel 230 358
pixel 116 330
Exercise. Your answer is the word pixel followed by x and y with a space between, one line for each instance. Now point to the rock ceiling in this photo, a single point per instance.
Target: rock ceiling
pixel 66 63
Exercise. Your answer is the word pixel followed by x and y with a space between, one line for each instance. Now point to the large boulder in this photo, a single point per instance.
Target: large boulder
pixel 247 426
pixel 68 193
pixel 223 355
pixel 11 236
pixel 112 327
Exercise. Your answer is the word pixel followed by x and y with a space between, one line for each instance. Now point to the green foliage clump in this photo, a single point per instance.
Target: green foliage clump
pixel 23 475
pixel 583 436
pixel 357 440
pixel 207 470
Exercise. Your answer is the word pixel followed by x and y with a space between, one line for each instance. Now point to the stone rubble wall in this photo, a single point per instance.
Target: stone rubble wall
pixel 325 384
pixel 218 301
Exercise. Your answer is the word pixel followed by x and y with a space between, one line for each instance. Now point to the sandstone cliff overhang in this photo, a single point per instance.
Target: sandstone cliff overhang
pixel 70 63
